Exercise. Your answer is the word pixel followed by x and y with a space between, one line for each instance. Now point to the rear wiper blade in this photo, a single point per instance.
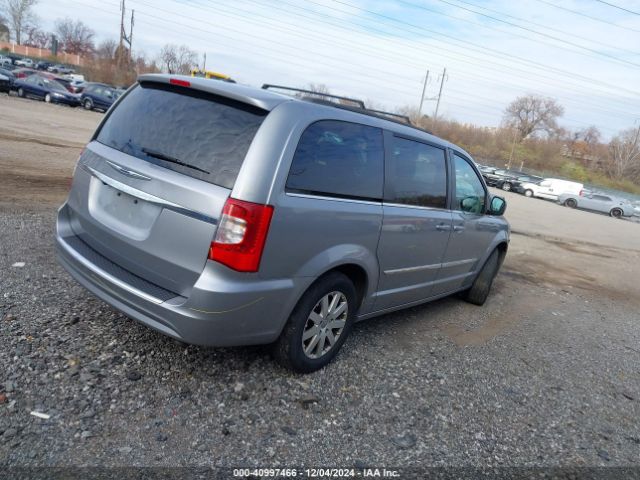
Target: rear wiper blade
pixel 167 158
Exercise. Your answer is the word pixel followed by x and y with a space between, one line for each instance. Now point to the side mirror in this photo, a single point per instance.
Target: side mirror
pixel 497 206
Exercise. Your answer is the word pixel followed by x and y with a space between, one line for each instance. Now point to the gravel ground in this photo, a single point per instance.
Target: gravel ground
pixel 542 375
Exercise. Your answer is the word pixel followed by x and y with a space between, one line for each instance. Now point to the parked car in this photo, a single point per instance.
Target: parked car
pixel 23 72
pixel 222 214
pixel 61 69
pixel 597 202
pixel 98 96
pixel 25 62
pixel 42 88
pixel 42 65
pixel 551 188
pixel 6 80
pixel 4 61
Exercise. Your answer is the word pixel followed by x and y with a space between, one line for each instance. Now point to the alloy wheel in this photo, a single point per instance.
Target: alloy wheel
pixel 325 324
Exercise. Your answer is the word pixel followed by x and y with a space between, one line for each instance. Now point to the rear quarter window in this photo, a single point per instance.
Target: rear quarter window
pixel 201 135
pixel 341 159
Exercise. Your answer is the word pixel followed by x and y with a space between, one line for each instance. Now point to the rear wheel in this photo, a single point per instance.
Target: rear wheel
pixel 506 186
pixel 571 203
pixel 479 291
pixel 528 193
pixel 319 324
pixel 616 213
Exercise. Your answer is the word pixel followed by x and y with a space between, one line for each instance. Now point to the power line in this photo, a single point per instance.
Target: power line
pixel 618 7
pixel 606 55
pixel 577 12
pixel 480 48
pixel 508 69
pixel 563 32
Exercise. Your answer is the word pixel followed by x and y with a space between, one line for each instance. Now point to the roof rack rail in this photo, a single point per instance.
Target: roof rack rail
pixel 359 103
pixel 399 116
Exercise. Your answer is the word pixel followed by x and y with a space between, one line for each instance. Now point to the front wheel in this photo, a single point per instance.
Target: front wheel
pixel 87 104
pixel 616 213
pixel 318 325
pixel 21 93
pixel 506 186
pixel 479 291
pixel 47 98
pixel 528 193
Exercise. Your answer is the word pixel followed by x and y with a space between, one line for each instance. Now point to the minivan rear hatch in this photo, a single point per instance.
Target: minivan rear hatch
pixel 149 189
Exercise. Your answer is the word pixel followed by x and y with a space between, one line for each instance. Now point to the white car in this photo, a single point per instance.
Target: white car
pixel 5 61
pixel 552 188
pixel 25 62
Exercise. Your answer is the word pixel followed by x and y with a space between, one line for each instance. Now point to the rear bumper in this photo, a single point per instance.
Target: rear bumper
pixel 224 308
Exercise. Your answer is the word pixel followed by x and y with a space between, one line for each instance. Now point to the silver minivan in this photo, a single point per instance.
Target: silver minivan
pixel 221 215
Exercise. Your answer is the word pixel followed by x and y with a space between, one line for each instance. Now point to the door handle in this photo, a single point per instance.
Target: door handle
pixel 443 227
pixel 458 228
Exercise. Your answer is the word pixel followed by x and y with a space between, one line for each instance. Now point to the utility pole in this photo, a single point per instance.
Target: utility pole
pixel 121 44
pixel 131 34
pixel 424 90
pixel 204 62
pixel 444 74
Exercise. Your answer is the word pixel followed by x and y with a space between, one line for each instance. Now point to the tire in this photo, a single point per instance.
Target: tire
pixel 571 203
pixel 21 93
pixel 87 104
pixel 47 98
pixel 616 213
pixel 506 186
pixel 528 193
pixel 479 291
pixel 302 355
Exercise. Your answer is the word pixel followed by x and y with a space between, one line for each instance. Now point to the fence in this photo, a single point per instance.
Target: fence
pixel 34 52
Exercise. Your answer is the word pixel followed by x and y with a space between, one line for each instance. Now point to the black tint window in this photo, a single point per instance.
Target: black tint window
pixel 470 194
pixel 194 133
pixel 417 174
pixel 339 158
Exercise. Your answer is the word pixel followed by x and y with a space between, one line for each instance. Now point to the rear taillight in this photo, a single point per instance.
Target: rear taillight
pixel 241 235
pixel 177 81
pixel 581 193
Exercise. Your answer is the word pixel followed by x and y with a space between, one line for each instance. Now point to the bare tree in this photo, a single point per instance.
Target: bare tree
pixel 35 37
pixel 531 114
pixel 625 153
pixel 75 37
pixel 20 15
pixel 106 50
pixel 177 59
pixel 583 142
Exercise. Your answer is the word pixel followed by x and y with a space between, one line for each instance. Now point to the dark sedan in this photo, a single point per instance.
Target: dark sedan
pixel 42 88
pixel 6 80
pixel 98 96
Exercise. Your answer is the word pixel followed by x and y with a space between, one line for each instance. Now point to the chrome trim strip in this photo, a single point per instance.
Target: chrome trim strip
pixel 105 275
pixel 434 266
pixel 337 199
pixel 127 172
pixel 457 263
pixel 415 207
pixel 134 192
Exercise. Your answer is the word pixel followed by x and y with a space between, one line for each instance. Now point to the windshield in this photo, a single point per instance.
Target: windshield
pixel 198 134
pixel 53 85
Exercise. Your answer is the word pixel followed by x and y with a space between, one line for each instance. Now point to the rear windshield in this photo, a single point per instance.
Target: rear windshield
pixel 191 132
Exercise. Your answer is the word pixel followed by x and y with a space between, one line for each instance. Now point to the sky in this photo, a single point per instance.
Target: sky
pixel 381 50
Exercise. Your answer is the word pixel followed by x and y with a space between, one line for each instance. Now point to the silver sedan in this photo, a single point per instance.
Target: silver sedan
pixel 596 202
